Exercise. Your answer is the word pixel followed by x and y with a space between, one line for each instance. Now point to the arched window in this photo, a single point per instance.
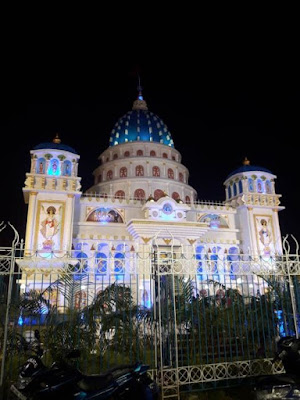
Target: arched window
pixel 158 193
pixel 123 172
pixel 40 166
pixel 229 192
pixel 99 178
pixel 101 261
pixel 200 257
pixel 173 158
pixel 234 189
pixel 240 187
pixel 54 167
pixel 82 266
pixel 268 187
pixel 233 257
pixel 109 175
pixel 120 194
pixel 155 171
pixel 139 170
pixel 115 156
pixel 107 159
pixel 214 264
pixel 119 265
pixel 175 196
pixel 187 200
pixel 152 153
pixel 67 167
pixel 170 173
pixel 126 154
pixel 139 153
pixel 139 194
pixel 250 185
pixel 260 186
pixel 165 155
pixel 180 176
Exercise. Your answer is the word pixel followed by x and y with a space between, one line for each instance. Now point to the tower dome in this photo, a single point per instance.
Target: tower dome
pixel 55 145
pixel 247 167
pixel 140 124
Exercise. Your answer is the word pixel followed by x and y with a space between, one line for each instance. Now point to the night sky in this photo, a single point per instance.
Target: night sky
pixel 218 109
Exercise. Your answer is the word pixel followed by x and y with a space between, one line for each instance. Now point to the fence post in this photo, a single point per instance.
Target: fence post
pixel 9 292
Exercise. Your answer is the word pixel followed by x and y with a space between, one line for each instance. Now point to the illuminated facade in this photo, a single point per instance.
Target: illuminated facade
pixel 141 197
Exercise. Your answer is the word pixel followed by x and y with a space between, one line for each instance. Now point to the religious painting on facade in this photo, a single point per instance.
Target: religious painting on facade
pixel 265 234
pixel 105 215
pixel 50 224
pixel 215 220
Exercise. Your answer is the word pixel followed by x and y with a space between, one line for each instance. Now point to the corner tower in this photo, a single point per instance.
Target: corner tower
pixel 251 189
pixel 50 190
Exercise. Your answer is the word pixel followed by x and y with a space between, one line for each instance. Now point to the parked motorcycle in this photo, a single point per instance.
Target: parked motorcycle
pixel 282 386
pixel 64 381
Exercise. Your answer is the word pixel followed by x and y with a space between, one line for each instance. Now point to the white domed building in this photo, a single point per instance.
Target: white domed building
pixel 141 203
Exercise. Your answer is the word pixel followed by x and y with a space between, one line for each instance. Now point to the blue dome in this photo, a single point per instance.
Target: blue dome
pixel 55 146
pixel 248 168
pixel 140 125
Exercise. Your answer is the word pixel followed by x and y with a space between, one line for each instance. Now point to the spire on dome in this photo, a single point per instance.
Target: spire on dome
pixel 57 139
pixel 246 161
pixel 139 103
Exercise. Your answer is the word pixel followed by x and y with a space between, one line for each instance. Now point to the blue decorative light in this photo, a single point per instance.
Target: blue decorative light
pixel 20 321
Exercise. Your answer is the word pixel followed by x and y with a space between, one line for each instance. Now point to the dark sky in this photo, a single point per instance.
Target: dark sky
pixel 219 108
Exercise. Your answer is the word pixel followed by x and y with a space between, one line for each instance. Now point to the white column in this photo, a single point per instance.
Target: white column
pixel 68 227
pixel 31 216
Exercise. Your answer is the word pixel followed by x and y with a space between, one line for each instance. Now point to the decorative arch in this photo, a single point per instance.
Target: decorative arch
pixel 139 194
pixel 54 167
pixel 120 194
pixel 109 175
pixel 139 170
pixel 268 187
pixel 127 154
pixel 229 192
pixel 187 200
pixel 175 196
pixel 215 221
pixel 123 172
pixel 155 171
pixel 40 166
pixel 234 189
pixel 233 257
pixel 158 193
pixel 165 155
pixel 250 185
pixel 99 178
pixel 101 262
pixel 82 265
pixel 115 156
pixel 200 257
pixel 119 263
pixel 152 153
pixel 180 176
pixel 170 173
pixel 140 153
pixel 105 215
pixel 67 168
pixel 260 186
pixel 240 187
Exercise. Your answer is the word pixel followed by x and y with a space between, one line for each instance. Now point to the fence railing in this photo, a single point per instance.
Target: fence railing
pixel 194 318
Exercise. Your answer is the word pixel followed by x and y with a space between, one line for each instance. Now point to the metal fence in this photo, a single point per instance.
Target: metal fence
pixel 195 318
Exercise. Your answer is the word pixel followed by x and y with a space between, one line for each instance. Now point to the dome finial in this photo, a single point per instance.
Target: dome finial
pixel 139 103
pixel 56 139
pixel 246 161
